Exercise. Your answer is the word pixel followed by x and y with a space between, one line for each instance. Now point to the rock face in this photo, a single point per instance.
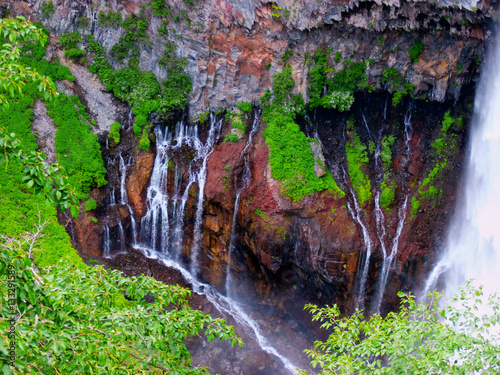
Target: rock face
pixel 317 247
pixel 234 47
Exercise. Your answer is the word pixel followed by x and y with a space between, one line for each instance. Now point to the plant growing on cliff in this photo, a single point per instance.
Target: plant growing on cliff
pixel 357 157
pixel 73 319
pixel 114 132
pixel 418 339
pixel 110 19
pixel 444 147
pixel 47 9
pixel 291 158
pixel 340 88
pixel 415 51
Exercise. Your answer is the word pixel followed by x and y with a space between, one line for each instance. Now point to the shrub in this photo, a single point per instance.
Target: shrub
pixel 47 9
pixel 70 40
pixel 111 19
pixel 144 143
pixel 245 106
pixel 137 130
pixel 415 51
pixel 74 54
pixel 114 133
pixel 90 205
pixel 231 138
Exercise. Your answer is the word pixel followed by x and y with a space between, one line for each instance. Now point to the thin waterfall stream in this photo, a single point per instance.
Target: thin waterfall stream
pixel 246 178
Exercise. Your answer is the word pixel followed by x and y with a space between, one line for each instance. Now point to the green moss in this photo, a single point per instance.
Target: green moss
pixel 245 106
pixel 444 147
pixel 114 133
pixel 144 143
pixel 357 158
pixel 291 157
pixel 388 194
pixel 90 205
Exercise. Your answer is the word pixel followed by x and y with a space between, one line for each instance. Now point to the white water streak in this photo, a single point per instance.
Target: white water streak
pixel 225 305
pixel 245 183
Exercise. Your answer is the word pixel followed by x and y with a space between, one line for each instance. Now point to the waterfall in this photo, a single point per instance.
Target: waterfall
pixel 246 178
pixel 389 259
pixel 204 152
pixel 165 214
pixel 225 305
pixel 106 243
pixel 161 229
pixel 473 243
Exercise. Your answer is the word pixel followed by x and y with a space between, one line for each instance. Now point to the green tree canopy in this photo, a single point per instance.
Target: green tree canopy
pixel 418 339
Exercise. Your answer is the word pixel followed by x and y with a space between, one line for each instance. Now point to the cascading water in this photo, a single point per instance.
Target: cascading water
pixel 165 214
pixel 244 183
pixel 123 194
pixel 388 258
pixel 204 152
pixel 106 243
pixel 473 246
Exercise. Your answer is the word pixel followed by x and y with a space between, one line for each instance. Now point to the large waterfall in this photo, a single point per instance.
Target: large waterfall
pixel 473 247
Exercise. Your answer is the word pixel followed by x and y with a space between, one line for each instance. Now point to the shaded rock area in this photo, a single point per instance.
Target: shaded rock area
pixel 45 131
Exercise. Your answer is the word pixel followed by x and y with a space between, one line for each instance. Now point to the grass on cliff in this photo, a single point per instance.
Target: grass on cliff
pixel 291 157
pixel 444 147
pixel 357 159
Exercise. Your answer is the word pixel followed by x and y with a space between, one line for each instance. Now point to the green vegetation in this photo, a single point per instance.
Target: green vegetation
pixel 418 339
pixel 291 157
pixel 47 9
pixel 259 213
pixel 388 186
pixel 141 89
pixel 90 205
pixel 160 8
pixel 287 56
pixel 317 76
pixel 114 133
pixel 78 150
pixel 128 44
pixel 111 19
pixel 397 82
pixel 357 157
pixel 70 40
pixel 340 88
pixel 415 51
pixel 245 106
pixel 74 54
pixel 444 147
pixel 100 321
pixel 231 138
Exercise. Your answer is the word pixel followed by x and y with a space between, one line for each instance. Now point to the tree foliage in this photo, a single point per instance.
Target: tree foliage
pixel 13 75
pixel 73 319
pixel 420 338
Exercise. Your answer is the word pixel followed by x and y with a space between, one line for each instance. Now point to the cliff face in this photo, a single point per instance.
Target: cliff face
pixel 325 247
pixel 234 47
